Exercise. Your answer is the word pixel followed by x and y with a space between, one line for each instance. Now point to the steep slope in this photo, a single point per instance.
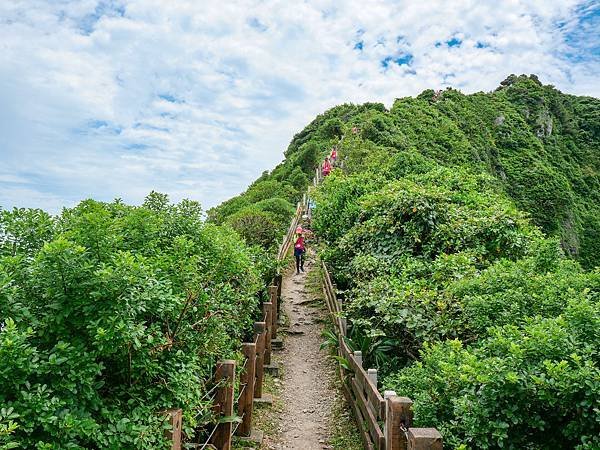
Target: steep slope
pixel 541 145
pixel 462 230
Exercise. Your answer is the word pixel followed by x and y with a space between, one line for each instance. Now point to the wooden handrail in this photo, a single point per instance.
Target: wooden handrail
pixel 369 406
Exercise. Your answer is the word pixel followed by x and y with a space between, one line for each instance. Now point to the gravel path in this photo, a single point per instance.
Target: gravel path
pixel 307 373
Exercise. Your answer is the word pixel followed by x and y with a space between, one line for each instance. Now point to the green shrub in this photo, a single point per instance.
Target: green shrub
pixel 530 387
pixel 257 227
pixel 112 313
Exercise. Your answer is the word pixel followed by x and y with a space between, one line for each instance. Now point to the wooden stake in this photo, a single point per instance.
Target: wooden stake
pixel 398 418
pixel 259 329
pixel 372 374
pixel 173 433
pixel 268 309
pixel 424 439
pixel 225 375
pixel 344 324
pixel 358 357
pixel 248 376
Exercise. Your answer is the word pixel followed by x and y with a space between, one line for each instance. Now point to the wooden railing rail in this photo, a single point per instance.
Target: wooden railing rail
pixel 369 406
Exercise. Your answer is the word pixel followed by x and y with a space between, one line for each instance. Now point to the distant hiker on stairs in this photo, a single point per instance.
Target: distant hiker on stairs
pixel 326 167
pixel 299 250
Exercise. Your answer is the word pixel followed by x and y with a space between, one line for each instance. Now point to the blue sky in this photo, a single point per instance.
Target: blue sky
pixel 115 98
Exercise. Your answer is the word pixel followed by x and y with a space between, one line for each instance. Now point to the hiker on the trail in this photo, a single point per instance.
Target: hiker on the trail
pixel 326 167
pixel 333 155
pixel 299 250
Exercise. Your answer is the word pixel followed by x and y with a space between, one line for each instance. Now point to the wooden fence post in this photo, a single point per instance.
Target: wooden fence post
pixel 424 439
pixel 259 329
pixel 225 375
pixel 267 309
pixel 274 309
pixel 372 374
pixel 358 356
pixel 173 433
pixel 279 284
pixel 398 418
pixel 245 405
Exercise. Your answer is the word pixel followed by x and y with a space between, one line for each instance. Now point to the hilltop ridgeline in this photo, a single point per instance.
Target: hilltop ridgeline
pixel 463 231
pixel 540 145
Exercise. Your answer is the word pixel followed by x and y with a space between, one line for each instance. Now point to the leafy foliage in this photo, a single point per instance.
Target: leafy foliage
pixel 455 296
pixel 464 230
pixel 112 313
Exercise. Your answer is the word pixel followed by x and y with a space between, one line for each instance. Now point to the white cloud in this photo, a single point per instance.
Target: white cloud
pixel 115 98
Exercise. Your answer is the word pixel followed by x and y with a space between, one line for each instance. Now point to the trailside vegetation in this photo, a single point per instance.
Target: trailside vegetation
pixel 114 313
pixel 262 213
pixel 464 233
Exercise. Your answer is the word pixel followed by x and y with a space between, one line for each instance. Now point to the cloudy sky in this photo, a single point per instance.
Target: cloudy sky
pixel 195 98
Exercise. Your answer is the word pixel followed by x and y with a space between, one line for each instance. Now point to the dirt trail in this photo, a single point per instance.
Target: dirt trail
pixel 307 373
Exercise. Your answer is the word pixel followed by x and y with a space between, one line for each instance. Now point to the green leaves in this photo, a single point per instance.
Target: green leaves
pixel 519 387
pixel 450 287
pixel 113 313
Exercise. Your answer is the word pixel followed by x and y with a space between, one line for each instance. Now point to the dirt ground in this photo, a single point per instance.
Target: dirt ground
pixel 306 393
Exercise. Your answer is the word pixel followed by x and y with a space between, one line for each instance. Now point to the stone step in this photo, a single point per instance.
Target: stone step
pixel 272 369
pixel 266 399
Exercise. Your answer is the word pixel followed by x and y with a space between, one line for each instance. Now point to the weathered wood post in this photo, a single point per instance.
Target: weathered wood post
pixel 268 309
pixel 274 310
pixel 279 284
pixel 372 374
pixel 424 439
pixel 225 375
pixel 398 418
pixel 358 357
pixel 247 378
pixel 338 300
pixel 173 433
pixel 259 329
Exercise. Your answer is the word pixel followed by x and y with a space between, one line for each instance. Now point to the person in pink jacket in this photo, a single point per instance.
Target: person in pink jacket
pixel 299 250
pixel 326 167
pixel 333 155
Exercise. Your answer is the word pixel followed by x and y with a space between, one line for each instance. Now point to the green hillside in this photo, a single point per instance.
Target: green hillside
pixel 541 145
pixel 464 231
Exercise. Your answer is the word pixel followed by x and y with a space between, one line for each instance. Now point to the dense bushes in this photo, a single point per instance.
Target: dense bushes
pixel 534 386
pixel 540 145
pixel 260 215
pixel 450 232
pixel 466 307
pixel 112 313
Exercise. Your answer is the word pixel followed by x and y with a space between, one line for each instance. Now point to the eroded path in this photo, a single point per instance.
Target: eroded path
pixel 307 393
